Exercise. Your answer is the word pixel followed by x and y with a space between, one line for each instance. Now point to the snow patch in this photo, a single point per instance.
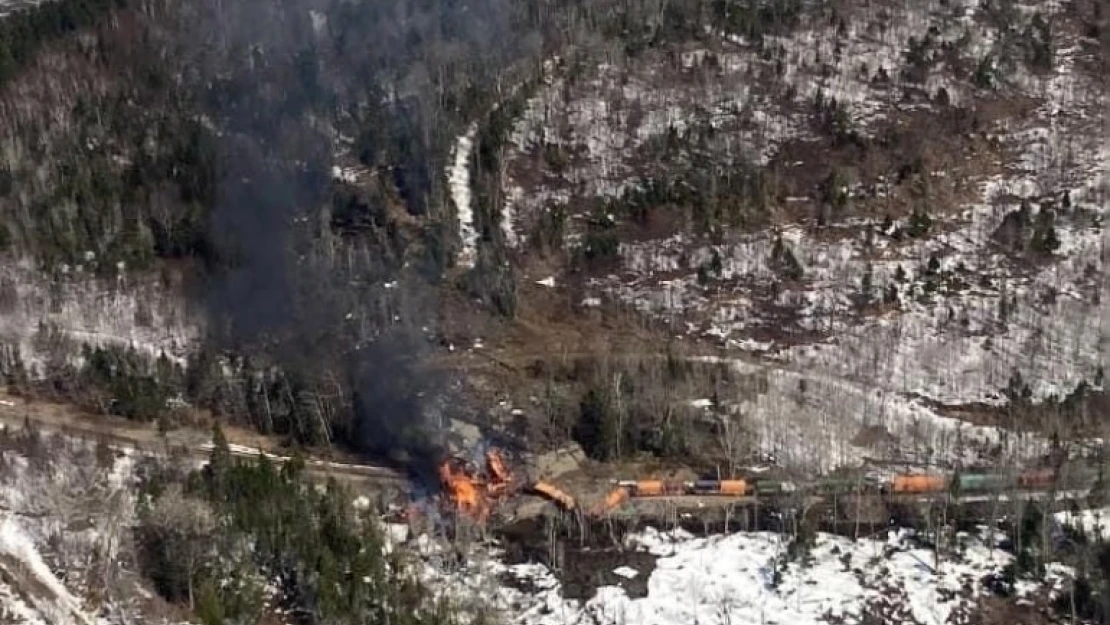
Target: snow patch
pixel 61 607
pixel 746 578
pixel 1094 523
pixel 458 180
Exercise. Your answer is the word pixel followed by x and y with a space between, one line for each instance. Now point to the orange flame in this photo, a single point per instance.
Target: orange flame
pixel 462 490
pixel 474 493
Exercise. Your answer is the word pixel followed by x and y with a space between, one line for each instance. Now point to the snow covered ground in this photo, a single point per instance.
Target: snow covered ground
pixel 67 511
pixel 745 578
pixel 49 317
pixel 1094 523
pixel 955 343
pixel 967 314
pixel 458 181
pixel 811 421
pixel 55 606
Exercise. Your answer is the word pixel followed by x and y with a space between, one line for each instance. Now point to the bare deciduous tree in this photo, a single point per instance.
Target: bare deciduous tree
pixel 177 534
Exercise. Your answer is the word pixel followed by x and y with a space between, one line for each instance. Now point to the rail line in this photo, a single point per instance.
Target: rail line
pixel 967 488
pixel 195 444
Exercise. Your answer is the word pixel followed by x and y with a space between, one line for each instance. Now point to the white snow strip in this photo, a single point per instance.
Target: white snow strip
pixel 458 181
pixel 626 572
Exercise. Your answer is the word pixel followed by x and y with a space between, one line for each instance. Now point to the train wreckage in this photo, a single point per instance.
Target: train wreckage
pixel 475 490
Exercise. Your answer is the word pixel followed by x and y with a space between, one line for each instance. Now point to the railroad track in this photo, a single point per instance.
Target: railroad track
pixel 812 500
pixel 62 419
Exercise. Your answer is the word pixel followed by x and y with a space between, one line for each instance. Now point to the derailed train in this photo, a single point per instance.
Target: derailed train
pixel 905 484
pixel 972 482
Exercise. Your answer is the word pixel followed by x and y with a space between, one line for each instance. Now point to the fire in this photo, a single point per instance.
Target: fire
pixel 474 494
pixel 461 489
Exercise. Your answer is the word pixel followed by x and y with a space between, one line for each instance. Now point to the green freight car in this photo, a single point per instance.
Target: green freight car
pixel 836 486
pixel 985 482
pixel 774 487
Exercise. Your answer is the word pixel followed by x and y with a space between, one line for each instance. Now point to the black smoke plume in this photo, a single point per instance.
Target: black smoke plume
pixel 335 303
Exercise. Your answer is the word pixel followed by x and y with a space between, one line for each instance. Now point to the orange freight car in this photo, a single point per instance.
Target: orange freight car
pixel 650 488
pixel 1037 478
pixel 918 483
pixel 734 487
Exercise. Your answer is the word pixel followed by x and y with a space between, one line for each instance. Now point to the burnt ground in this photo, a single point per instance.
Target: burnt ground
pixel 583 558
pixel 586 570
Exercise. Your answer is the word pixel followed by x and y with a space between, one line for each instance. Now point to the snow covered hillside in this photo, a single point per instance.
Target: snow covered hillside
pixel 919 221
pixel 749 578
pixel 67 512
pixel 49 319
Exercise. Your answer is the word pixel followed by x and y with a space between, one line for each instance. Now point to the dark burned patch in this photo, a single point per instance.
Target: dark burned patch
pixel 586 556
pixel 586 570
pixel 1005 611
pixel 583 561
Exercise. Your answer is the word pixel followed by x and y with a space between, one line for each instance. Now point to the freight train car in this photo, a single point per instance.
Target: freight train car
pixel 984 482
pixel 734 488
pixel 656 489
pixel 770 488
pixel 839 485
pixel 1036 478
pixel 918 483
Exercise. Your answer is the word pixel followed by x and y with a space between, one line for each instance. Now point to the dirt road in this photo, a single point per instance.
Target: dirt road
pixel 69 420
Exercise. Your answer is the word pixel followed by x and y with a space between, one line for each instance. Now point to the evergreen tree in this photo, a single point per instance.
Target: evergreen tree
pixel 209 607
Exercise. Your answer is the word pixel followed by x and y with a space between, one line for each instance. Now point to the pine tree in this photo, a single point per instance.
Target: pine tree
pixel 220 457
pixel 866 284
pixel 209 607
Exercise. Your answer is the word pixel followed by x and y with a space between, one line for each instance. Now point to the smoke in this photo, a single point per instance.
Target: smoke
pixel 391 402
pixel 291 86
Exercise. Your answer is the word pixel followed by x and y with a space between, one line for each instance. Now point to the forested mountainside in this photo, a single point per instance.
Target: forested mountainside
pixel 810 239
pixel 248 209
pixel 196 193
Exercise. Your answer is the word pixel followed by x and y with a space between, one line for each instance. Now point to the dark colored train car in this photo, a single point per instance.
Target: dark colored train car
pixel 837 486
pixel 1037 478
pixel 984 482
